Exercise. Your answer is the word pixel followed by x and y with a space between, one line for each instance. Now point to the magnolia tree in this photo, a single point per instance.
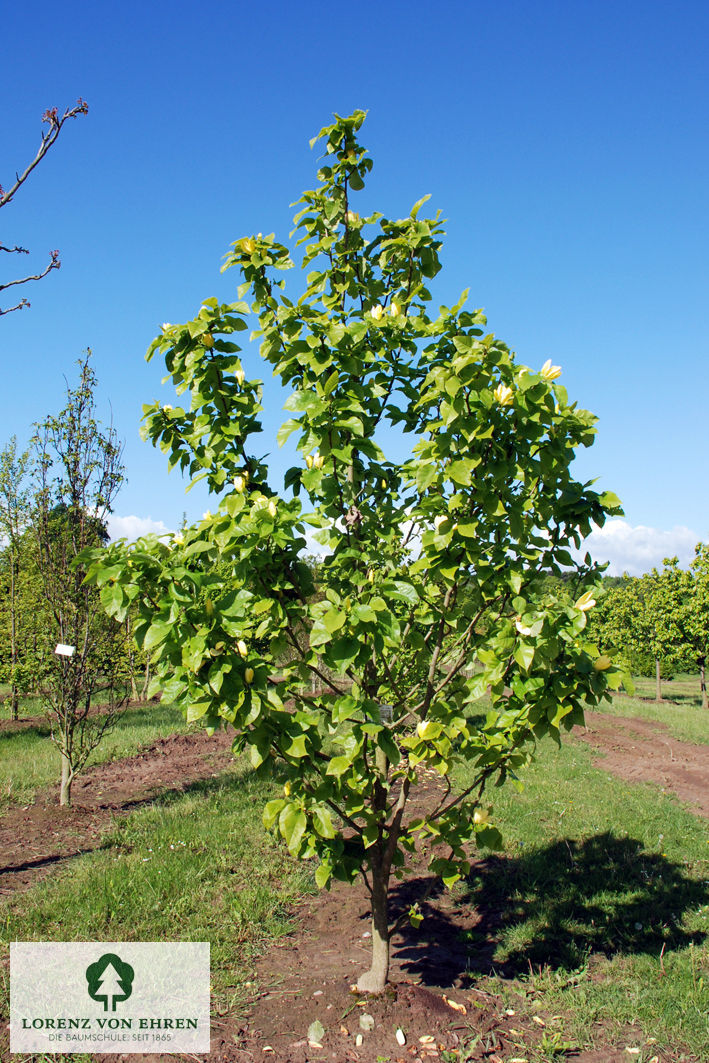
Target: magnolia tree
pixel 433 640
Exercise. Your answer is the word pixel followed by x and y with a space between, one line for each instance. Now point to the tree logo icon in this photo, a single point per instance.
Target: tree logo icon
pixel 110 980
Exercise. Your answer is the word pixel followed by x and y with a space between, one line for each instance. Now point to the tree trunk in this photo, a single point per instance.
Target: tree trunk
pixel 375 979
pixel 658 681
pixel 65 786
pixel 703 684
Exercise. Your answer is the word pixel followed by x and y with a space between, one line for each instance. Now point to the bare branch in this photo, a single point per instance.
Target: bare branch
pixel 55 122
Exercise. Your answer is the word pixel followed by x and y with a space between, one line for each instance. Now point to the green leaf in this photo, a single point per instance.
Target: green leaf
pixel 322 821
pixel 333 620
pixel 338 766
pixel 524 655
pixel 156 634
pixel 286 430
pixel 292 823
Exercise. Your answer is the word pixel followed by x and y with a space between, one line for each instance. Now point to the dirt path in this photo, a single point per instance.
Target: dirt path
pixel 39 837
pixel 643 751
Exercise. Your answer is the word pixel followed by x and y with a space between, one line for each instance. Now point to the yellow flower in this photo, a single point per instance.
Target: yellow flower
pixel 318 461
pixel 549 371
pixel 602 664
pixel 240 483
pixel 394 309
pixel 309 460
pixel 370 575
pixel 352 218
pixel 481 815
pixel 424 728
pixel 286 789
pixel 249 245
pixel 239 374
pixel 272 508
pixel 503 395
pixel 522 628
pixel 242 648
pixel 377 312
pixel 249 675
pixel 208 340
pixel 585 602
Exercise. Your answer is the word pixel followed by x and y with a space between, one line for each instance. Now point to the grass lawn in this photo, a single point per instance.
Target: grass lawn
pixel 198 867
pixel 30 761
pixel 596 912
pixel 599 905
pixel 681 710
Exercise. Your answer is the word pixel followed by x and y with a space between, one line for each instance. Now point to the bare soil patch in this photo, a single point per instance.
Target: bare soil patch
pixel 40 837
pixel 643 751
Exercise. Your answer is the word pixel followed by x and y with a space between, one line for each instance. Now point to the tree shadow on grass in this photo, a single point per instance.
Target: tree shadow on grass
pixel 552 907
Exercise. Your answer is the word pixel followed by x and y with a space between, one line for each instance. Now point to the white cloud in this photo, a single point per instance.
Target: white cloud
pixel 637 549
pixel 133 527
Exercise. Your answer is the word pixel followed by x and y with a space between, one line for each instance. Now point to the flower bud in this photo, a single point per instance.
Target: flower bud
pixel 239 483
pixel 394 309
pixel 370 575
pixel 208 340
pixel 242 648
pixel 239 375
pixel 585 602
pixel 318 461
pixel 249 675
pixel 286 789
pixel 503 395
pixel 549 371
pixel 377 312
pixel 272 508
pixel 309 460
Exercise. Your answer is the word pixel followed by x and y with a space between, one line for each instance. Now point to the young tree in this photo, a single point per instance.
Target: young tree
pixel 14 517
pixel 689 598
pixel 79 471
pixel 55 122
pixel 431 583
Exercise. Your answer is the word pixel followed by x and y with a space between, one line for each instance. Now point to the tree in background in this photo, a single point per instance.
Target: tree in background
pixel 79 471
pixel 689 598
pixel 432 598
pixel 55 121
pixel 641 623
pixel 14 519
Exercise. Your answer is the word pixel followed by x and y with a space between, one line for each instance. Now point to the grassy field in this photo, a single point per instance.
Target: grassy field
pixel 198 867
pixel 30 761
pixel 596 911
pixel 680 710
pixel 603 905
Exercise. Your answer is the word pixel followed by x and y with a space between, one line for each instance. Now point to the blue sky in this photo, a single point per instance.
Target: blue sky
pixel 566 144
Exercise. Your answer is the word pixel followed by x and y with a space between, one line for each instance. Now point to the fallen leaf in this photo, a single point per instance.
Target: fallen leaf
pixel 456 1007
pixel 316 1032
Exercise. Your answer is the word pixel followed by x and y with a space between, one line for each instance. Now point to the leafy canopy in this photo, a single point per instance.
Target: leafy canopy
pixel 432 637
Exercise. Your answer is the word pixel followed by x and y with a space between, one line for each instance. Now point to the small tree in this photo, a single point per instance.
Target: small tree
pixel 432 603
pixel 79 471
pixel 14 518
pixel 55 122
